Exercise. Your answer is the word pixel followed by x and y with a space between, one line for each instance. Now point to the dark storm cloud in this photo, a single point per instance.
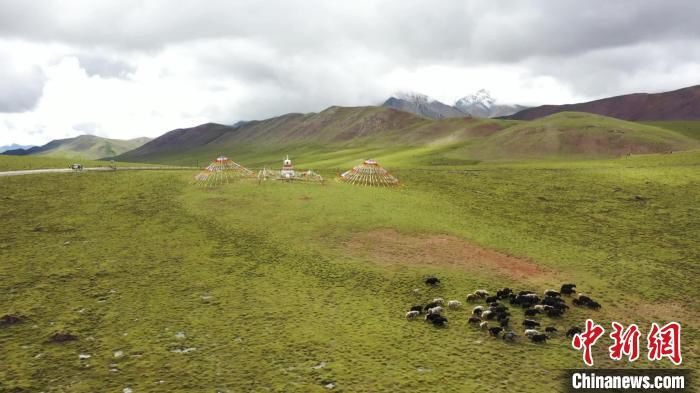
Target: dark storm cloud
pixel 566 28
pixel 464 31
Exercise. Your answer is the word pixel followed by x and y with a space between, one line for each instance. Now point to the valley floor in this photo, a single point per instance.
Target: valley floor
pixel 173 287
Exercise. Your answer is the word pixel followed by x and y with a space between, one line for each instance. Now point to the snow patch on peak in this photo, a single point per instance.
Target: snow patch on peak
pixel 482 98
pixel 482 104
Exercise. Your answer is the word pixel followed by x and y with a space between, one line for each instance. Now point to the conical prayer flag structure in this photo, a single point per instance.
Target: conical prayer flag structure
pixel 222 170
pixel 369 173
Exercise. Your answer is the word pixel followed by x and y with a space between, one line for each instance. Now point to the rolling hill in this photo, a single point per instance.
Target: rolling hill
pixel 87 147
pixel 682 104
pixel 332 130
pixel 576 134
pixel 338 136
pixel 689 128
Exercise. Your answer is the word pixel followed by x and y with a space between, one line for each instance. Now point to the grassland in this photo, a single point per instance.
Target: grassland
pixel 287 287
pixel 17 163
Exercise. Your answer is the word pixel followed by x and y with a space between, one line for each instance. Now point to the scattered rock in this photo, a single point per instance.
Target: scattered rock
pixel 184 350
pixel 62 337
pixel 83 356
pixel 118 354
pixel 319 366
pixel 66 243
pixel 127 390
pixel 423 370
pixel 180 335
pixel 328 384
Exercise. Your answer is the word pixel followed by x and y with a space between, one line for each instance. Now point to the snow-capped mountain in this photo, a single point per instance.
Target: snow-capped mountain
pixel 422 105
pixel 482 104
pixel 479 104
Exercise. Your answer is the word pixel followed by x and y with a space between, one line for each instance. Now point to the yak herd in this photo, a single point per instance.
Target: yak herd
pixel 494 316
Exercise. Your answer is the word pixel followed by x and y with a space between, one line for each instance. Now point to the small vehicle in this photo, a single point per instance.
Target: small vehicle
pixel 76 167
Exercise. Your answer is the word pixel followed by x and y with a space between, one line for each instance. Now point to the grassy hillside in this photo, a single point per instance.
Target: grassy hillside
pixel 172 287
pixel 87 147
pixel 334 129
pixel 578 135
pixel 338 137
pixel 689 128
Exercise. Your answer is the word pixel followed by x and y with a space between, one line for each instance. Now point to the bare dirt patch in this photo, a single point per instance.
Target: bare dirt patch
pixel 392 247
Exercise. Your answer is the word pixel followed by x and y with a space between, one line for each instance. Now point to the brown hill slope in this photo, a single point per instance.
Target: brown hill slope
pixel 682 104
pixel 337 126
pixel 354 130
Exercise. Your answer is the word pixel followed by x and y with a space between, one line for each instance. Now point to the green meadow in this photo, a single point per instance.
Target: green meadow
pixel 173 287
pixel 19 163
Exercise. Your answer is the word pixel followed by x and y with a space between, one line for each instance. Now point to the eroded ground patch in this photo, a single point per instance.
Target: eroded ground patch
pixel 392 247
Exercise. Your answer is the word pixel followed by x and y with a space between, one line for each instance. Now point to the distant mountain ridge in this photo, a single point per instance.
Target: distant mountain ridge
pixel 481 104
pixel 369 129
pixel 14 146
pixel 334 125
pixel 422 105
pixel 89 147
pixel 681 104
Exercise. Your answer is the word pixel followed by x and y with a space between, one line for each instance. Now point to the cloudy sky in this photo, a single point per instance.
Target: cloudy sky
pixel 129 68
